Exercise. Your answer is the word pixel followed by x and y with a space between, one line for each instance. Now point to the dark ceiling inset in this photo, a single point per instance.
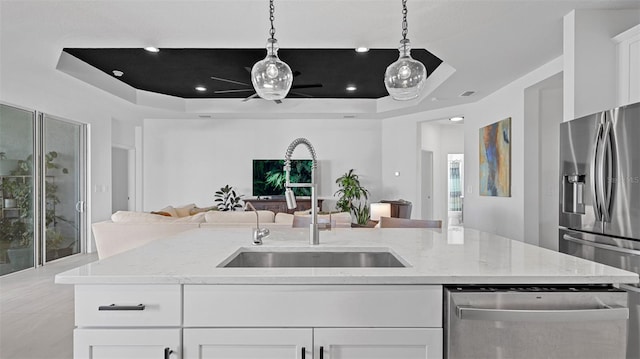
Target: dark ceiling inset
pixel 177 72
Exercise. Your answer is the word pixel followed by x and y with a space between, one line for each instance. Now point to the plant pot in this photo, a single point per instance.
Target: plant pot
pixel 20 258
pixel 9 203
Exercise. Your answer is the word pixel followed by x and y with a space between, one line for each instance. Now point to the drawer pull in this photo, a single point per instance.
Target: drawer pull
pixel 167 352
pixel 121 307
pixel 321 352
pixel 304 352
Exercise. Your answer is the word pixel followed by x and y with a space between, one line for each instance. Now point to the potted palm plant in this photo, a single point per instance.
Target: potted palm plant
pixel 353 197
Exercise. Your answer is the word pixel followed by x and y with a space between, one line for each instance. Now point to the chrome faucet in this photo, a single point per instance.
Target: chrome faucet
pixel 314 235
pixel 258 233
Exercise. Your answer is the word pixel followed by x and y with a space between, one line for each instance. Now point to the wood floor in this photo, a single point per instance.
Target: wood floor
pixel 36 315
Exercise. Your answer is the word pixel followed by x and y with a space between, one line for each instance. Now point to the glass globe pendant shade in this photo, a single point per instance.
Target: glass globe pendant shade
pixel 405 78
pixel 271 77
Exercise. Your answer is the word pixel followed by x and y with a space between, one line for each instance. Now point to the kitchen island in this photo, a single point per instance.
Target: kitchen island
pixel 175 297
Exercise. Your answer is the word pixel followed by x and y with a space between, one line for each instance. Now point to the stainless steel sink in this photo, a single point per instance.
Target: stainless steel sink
pixel 338 259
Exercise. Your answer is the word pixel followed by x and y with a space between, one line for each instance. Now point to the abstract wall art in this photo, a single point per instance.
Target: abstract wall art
pixel 495 159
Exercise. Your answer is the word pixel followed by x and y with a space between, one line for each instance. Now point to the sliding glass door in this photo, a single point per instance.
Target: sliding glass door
pixel 42 188
pixel 63 206
pixel 17 224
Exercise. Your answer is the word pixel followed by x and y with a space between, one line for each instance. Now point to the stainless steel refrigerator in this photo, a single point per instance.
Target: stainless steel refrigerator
pixel 600 196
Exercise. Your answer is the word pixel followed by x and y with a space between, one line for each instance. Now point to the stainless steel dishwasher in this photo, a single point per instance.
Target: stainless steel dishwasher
pixel 535 322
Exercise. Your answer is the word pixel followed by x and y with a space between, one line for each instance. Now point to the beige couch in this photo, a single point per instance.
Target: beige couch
pixel 127 230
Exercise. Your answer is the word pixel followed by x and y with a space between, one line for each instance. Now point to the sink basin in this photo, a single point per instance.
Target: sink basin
pixel 328 259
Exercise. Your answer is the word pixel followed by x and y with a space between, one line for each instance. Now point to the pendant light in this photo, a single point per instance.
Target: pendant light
pixel 405 78
pixel 271 77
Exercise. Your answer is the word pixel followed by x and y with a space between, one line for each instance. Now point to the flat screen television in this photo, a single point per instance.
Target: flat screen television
pixel 269 177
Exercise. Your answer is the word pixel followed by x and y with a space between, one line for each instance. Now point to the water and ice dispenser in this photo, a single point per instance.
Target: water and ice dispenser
pixel 573 193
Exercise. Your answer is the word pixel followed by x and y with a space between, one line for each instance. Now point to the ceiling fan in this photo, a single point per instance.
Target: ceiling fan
pixel 255 95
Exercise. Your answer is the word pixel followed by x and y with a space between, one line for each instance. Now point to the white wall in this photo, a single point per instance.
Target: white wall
pixel 186 161
pixel 442 140
pixel 401 143
pixel 501 215
pixel 543 115
pixel 590 55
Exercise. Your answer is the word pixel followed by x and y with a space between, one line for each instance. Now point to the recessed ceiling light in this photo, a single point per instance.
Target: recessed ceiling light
pixel 117 73
pixel 152 49
pixel 351 88
pixel 362 49
pixel 456 119
pixel 201 88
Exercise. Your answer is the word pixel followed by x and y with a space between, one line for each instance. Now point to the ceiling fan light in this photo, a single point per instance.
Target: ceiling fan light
pixel 271 77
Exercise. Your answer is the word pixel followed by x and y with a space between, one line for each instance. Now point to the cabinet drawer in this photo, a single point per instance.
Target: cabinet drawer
pixel 126 343
pixel 407 306
pixel 128 305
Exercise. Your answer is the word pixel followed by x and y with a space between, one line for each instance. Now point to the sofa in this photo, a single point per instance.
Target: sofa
pixel 128 230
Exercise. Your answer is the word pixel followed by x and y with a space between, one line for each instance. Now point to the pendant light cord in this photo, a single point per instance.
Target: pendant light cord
pixel 404 25
pixel 404 20
pixel 272 9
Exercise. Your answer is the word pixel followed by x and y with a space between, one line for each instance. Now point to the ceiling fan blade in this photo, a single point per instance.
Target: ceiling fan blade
pixel 229 81
pixel 255 95
pixel 277 101
pixel 306 86
pixel 296 73
pixel 234 91
pixel 300 94
pixel 248 69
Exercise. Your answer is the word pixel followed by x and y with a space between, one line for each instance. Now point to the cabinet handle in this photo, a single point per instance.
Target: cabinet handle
pixel 167 352
pixel 121 307
pixel 304 352
pixel 321 352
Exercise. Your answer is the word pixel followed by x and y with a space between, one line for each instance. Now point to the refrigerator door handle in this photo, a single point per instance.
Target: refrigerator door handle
pixel 534 315
pixel 595 166
pixel 606 165
pixel 569 238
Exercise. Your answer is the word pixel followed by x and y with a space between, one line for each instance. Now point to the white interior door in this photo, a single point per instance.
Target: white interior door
pixel 120 200
pixel 427 184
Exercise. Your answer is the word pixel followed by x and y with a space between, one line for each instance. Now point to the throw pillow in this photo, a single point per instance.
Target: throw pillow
pixel 196 210
pixel 166 214
pixel 185 210
pixel 170 210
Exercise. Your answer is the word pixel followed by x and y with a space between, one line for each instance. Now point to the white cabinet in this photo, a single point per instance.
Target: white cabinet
pixel 106 316
pixel 628 44
pixel 126 343
pixel 272 343
pixel 306 343
pixel 377 343
pixel 258 321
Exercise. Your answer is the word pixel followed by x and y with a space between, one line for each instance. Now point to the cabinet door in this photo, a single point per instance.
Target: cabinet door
pixel 265 343
pixel 126 343
pixel 373 343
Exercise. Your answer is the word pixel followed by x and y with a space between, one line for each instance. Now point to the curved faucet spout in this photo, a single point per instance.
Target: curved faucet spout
pixel 314 236
pixel 258 233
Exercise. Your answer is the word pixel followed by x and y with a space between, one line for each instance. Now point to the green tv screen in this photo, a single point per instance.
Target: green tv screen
pixel 269 177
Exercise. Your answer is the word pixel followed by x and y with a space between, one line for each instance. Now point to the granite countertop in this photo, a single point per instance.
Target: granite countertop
pixel 448 256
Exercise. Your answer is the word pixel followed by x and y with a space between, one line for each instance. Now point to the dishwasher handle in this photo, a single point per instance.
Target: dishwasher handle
pixel 520 315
